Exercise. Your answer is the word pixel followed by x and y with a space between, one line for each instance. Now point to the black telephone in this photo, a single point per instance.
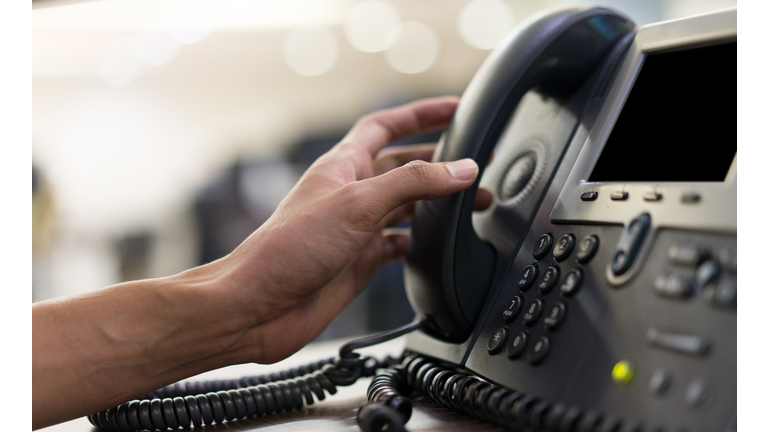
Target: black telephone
pixel 598 293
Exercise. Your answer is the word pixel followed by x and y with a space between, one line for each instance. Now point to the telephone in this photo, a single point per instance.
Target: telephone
pixel 598 293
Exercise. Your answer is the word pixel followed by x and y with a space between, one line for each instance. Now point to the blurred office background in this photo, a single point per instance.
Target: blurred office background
pixel 166 131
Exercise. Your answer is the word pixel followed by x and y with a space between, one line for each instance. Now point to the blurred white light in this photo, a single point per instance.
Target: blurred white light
pixel 484 23
pixel 117 64
pixel 415 50
pixel 311 51
pixel 193 21
pixel 371 26
pixel 154 44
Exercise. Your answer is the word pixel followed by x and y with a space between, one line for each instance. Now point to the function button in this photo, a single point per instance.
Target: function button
pixel 706 274
pixel 572 282
pixel 528 277
pixel 587 249
pixel 619 196
pixel 673 286
pixel 699 394
pixel 513 309
pixel 589 196
pixel 652 196
pixel 687 254
pixel 516 348
pixel 690 198
pixel 623 372
pixel 539 350
pixel 542 246
pixel 564 247
pixel 555 317
pixel 723 295
pixel 629 244
pixel 660 382
pixel 684 343
pixel 533 313
pixel 497 340
pixel 549 279
pixel 732 261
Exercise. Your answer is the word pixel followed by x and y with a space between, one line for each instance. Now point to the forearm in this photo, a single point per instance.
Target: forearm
pixel 108 346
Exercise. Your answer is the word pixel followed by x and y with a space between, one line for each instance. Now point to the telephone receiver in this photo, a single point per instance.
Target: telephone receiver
pixel 448 268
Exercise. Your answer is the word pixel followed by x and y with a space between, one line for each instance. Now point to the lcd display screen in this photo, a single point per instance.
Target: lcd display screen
pixel 679 121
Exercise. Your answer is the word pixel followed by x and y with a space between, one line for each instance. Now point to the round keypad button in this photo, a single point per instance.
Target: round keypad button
pixel 539 350
pixel 528 277
pixel 513 309
pixel 549 279
pixel 542 246
pixel 555 316
pixel 571 283
pixel 533 312
pixel 587 249
pixel 563 247
pixel 497 340
pixel 517 346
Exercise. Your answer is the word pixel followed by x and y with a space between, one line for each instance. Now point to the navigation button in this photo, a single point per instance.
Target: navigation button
pixel 528 277
pixel 543 244
pixel 497 340
pixel 629 244
pixel 513 310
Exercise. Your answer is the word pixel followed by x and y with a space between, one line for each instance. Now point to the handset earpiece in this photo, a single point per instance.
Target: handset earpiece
pixel 448 268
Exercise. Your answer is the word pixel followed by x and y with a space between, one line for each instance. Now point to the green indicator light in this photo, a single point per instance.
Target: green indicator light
pixel 623 372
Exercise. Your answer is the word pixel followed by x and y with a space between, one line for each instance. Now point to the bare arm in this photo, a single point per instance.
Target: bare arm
pixel 276 292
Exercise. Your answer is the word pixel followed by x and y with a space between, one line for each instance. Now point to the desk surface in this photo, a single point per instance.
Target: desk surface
pixel 337 412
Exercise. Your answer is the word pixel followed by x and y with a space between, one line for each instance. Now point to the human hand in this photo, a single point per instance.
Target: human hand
pixel 325 241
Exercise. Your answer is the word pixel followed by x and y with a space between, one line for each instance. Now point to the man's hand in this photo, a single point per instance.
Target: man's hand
pixel 329 236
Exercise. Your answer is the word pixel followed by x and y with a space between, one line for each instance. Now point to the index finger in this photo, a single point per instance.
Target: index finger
pixel 378 129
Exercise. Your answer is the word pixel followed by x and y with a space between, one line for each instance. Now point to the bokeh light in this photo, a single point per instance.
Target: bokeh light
pixel 484 23
pixel 371 25
pixel 311 51
pixel 154 44
pixel 193 21
pixel 415 49
pixel 118 66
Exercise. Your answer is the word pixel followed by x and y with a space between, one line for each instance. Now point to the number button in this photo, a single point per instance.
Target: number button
pixel 517 347
pixel 571 283
pixel 549 279
pixel 587 249
pixel 539 350
pixel 497 340
pixel 513 310
pixel 533 313
pixel 555 317
pixel 563 247
pixel 542 246
pixel 528 277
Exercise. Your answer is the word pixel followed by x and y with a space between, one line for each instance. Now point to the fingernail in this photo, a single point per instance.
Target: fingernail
pixel 464 169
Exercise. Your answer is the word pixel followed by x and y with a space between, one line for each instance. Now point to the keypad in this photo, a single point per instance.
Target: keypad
pixel 517 345
pixel 513 309
pixel 571 283
pixel 587 249
pixel 533 312
pixel 528 277
pixel 497 340
pixel 539 350
pixel 563 247
pixel 555 316
pixel 542 246
pixel 549 279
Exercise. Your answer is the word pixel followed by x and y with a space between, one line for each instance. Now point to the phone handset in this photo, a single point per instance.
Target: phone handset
pixel 448 268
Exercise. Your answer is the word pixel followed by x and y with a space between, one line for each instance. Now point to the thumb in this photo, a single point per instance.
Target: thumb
pixel 419 180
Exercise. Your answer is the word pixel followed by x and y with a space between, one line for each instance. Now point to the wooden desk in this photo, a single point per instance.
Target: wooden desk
pixel 335 413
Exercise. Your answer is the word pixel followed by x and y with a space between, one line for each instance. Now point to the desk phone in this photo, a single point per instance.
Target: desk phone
pixel 598 293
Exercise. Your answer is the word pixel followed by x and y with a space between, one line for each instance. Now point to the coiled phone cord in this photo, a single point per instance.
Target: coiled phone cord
pixel 206 402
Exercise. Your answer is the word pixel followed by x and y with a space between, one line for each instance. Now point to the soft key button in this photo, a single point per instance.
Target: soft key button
pixel 629 244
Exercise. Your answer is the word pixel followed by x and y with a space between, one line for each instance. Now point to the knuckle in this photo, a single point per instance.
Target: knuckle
pixel 419 171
